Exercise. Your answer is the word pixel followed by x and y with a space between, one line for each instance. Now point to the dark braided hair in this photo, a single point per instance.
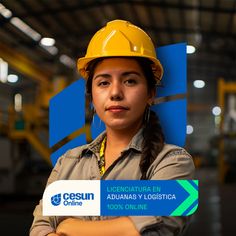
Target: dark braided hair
pixel 153 137
pixel 153 141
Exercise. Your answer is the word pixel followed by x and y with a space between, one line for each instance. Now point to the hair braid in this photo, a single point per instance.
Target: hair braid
pixel 152 144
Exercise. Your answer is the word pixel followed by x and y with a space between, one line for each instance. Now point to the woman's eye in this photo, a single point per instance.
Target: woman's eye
pixel 130 82
pixel 103 83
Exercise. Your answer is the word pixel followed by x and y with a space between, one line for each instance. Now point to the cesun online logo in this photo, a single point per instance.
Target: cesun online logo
pixel 71 199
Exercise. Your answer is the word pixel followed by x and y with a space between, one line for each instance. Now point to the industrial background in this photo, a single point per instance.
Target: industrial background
pixel 40 42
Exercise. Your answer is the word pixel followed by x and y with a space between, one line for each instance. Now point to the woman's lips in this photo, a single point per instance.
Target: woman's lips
pixel 116 109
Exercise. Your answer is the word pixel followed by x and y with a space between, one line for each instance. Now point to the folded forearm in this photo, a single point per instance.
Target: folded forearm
pixel 114 227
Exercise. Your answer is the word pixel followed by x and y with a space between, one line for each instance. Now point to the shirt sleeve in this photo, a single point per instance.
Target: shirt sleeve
pixel 43 225
pixel 177 164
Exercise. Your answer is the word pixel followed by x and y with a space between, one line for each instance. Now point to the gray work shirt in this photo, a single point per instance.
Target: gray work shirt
pixel 81 163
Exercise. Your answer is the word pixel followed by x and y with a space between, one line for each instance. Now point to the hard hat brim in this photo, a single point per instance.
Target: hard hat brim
pixel 83 63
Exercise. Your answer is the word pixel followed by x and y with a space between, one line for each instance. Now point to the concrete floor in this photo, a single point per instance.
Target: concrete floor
pixel 214 217
pixel 207 219
pixel 16 215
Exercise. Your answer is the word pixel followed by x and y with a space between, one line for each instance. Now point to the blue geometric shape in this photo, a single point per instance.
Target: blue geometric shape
pixel 172 117
pixel 96 126
pixel 195 204
pixel 67 112
pixel 67 109
pixel 76 142
pixel 174 61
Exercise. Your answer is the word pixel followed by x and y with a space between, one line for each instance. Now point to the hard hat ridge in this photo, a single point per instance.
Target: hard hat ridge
pixel 120 38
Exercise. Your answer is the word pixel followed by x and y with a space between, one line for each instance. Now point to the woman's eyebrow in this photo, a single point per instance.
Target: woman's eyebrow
pixel 102 75
pixel 131 72
pixel 107 76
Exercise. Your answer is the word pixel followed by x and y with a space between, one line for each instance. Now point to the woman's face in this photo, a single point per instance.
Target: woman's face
pixel 120 93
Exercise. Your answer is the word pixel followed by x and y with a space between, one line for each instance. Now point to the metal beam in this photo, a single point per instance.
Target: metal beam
pixel 85 6
pixel 156 29
pixel 202 108
pixel 24 65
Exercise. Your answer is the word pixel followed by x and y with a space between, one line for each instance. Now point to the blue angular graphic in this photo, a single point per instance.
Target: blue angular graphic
pixel 174 61
pixel 97 126
pixel 172 117
pixel 173 114
pixel 67 112
pixel 67 109
pixel 78 141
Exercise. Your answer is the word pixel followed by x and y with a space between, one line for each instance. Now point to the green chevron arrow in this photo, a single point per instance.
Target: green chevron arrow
pixel 193 196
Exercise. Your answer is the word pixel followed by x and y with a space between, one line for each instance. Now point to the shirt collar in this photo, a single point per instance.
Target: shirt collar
pixel 135 143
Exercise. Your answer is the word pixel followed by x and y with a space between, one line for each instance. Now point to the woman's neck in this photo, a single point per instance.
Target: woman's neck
pixel 119 139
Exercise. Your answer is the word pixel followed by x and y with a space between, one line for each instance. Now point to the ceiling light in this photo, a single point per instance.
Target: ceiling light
pixel 3 70
pixel 21 25
pixel 216 111
pixel 18 102
pixel 189 129
pixel 190 49
pixel 67 61
pixel 199 84
pixel 12 78
pixel 48 42
pixel 5 12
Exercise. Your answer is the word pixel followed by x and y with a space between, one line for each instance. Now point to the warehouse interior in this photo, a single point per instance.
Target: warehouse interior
pixel 40 42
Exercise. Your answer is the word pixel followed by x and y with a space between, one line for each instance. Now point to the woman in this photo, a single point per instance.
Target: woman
pixel 122 73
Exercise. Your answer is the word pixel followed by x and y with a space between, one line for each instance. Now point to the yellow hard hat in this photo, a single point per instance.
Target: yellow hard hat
pixel 120 38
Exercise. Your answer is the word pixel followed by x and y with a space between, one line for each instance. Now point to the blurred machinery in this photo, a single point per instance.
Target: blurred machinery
pixel 25 124
pixel 227 140
pixel 30 122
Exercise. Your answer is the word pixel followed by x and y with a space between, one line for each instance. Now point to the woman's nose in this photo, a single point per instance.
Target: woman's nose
pixel 116 92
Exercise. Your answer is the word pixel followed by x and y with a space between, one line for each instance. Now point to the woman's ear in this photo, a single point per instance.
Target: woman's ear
pixel 152 95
